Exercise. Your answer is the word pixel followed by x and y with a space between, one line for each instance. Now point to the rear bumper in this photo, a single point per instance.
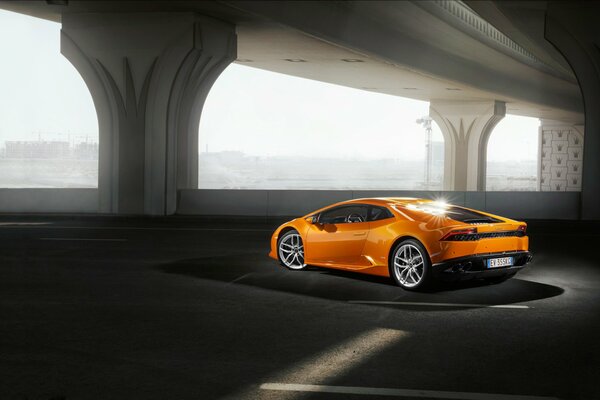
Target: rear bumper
pixel 475 267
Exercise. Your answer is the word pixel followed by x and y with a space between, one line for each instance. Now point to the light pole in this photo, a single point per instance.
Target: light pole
pixel 426 123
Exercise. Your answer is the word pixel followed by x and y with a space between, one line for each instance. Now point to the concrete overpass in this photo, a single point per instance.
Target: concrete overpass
pixel 150 65
pixel 191 307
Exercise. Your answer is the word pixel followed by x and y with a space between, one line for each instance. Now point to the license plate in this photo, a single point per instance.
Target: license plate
pixel 500 262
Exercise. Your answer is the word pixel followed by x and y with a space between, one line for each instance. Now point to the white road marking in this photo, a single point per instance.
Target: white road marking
pixel 135 228
pixel 369 391
pixel 85 239
pixel 342 357
pixel 20 224
pixel 416 303
pixel 333 362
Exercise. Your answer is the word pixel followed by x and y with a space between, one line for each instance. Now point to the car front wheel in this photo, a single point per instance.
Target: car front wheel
pixel 410 266
pixel 291 250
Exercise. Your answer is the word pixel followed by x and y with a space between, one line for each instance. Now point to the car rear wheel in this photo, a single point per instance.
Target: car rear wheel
pixel 410 266
pixel 291 250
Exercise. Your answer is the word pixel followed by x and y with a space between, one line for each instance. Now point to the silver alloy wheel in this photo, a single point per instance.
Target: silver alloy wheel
pixel 291 251
pixel 409 265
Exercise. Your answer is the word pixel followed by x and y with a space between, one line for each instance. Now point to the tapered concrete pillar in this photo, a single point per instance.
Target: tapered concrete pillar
pixel 149 74
pixel 466 127
pixel 572 27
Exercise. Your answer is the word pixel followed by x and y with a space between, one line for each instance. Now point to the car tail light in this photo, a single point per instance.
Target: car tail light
pixel 461 235
pixel 522 229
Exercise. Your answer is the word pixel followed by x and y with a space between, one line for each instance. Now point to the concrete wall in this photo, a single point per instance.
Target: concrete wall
pixel 49 200
pixel 273 203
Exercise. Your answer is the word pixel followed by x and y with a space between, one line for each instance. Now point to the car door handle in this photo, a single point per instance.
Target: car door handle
pixel 360 234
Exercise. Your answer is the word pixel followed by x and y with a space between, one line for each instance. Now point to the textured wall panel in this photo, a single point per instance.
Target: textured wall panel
pixel 560 159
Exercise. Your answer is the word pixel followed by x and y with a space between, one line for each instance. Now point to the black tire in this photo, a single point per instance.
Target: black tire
pixel 290 250
pixel 499 279
pixel 397 268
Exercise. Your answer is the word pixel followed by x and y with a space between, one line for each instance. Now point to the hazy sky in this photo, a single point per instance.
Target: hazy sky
pixel 40 91
pixel 250 110
pixel 268 113
pixel 514 138
pixel 275 114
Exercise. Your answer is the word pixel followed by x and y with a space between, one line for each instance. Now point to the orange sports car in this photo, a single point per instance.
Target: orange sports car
pixel 410 240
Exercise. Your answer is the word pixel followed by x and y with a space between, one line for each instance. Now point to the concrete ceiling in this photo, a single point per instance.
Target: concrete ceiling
pixel 294 53
pixel 524 22
pixel 416 50
pixel 434 56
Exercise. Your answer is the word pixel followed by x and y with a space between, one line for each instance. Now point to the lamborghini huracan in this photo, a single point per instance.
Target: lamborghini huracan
pixel 413 241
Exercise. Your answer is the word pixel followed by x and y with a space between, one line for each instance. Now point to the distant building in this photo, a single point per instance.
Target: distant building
pixel 86 151
pixel 42 149
pixel 37 149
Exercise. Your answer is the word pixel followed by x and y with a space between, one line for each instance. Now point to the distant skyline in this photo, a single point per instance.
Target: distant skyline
pixel 250 110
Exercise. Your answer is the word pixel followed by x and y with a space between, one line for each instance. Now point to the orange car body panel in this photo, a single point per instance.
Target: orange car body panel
pixel 366 246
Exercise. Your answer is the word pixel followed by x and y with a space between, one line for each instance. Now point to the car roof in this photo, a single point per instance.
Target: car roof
pixel 387 200
pixel 377 201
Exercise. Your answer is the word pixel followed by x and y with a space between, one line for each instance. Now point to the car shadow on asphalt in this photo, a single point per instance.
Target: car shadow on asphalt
pixel 255 271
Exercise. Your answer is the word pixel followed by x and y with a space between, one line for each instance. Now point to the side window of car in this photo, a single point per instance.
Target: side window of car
pixel 344 215
pixel 376 213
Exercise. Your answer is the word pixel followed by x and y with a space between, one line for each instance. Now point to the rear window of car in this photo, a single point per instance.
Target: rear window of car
pixel 468 216
pixel 377 213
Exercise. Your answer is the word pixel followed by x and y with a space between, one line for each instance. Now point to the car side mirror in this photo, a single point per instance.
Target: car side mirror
pixel 313 219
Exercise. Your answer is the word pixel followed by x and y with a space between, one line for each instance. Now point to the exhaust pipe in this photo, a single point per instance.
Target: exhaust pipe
pixel 457 268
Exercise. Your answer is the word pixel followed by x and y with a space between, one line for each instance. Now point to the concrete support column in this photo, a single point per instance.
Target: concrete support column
pixel 572 27
pixel 561 156
pixel 149 74
pixel 466 127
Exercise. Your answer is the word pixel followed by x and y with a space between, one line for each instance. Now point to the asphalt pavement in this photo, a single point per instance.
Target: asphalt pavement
pixel 192 308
